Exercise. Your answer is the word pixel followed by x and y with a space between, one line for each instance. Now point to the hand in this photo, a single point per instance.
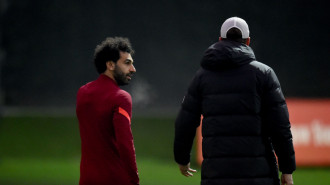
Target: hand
pixel 286 179
pixel 186 170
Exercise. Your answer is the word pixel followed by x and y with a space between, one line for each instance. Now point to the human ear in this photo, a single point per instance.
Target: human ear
pixel 110 65
pixel 248 41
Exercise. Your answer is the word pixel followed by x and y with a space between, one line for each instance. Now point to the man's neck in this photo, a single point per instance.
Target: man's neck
pixel 110 75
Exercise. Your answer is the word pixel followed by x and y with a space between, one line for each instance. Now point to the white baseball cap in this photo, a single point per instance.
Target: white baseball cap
pixel 235 22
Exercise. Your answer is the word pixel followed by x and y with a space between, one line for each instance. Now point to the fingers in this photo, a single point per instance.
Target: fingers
pixel 287 183
pixel 192 170
pixel 188 172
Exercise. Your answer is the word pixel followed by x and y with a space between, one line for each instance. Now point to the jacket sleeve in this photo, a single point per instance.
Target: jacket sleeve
pixel 123 134
pixel 186 123
pixel 276 117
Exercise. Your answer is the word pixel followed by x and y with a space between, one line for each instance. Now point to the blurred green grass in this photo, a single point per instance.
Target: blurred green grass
pixel 46 151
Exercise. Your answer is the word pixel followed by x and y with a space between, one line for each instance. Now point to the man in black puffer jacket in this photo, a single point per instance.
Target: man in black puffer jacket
pixel 245 116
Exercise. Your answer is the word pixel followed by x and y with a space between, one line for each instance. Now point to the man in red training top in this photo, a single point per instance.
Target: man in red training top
pixel 104 112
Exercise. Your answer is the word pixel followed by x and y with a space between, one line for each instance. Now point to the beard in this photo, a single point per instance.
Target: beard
pixel 120 77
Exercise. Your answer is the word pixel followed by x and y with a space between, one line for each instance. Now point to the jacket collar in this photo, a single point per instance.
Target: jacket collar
pixel 227 54
pixel 107 79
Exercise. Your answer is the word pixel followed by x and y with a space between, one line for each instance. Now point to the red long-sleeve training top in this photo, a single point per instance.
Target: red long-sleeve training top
pixel 107 150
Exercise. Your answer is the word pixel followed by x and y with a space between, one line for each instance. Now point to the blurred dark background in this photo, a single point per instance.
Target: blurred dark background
pixel 46 54
pixel 47 47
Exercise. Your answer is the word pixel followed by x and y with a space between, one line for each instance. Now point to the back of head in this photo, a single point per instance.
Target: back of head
pixel 109 50
pixel 235 29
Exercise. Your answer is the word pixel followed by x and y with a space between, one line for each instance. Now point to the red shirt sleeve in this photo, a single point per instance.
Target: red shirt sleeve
pixel 123 135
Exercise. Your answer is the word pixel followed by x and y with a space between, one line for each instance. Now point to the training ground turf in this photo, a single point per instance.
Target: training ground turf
pixel 46 151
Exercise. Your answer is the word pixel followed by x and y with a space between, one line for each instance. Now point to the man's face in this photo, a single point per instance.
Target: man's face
pixel 124 69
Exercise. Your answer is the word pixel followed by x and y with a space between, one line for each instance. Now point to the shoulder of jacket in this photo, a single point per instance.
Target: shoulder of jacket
pixel 86 86
pixel 200 71
pixel 122 94
pixel 263 68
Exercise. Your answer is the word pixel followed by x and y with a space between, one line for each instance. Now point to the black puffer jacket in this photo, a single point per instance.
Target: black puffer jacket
pixel 245 117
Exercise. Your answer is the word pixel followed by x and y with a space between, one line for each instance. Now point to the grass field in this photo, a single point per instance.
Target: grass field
pixel 46 151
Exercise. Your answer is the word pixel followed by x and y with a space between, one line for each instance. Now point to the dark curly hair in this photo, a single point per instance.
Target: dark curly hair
pixel 109 50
